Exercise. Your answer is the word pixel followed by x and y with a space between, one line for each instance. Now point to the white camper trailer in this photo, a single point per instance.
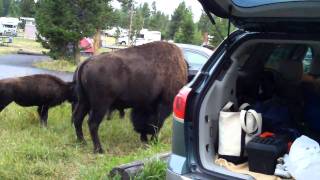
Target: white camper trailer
pixel 146 36
pixel 30 29
pixel 8 26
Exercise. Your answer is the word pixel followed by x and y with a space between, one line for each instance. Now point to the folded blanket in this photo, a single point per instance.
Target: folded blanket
pixel 244 169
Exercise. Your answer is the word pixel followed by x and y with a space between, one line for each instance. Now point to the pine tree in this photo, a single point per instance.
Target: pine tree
pixel 27 8
pixel 6 6
pixel 204 23
pixel 63 23
pixel 197 37
pixel 154 8
pixel 1 8
pixel 10 8
pixel 176 19
pixel 187 30
pixel 137 21
pixel 145 10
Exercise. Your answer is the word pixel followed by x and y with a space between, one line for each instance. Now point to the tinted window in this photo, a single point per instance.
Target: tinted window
pixel 307 61
pixel 140 36
pixel 253 3
pixel 280 53
pixel 195 58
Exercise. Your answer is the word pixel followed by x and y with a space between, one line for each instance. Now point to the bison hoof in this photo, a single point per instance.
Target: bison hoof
pixel 44 125
pixel 144 138
pixel 82 141
pixel 98 151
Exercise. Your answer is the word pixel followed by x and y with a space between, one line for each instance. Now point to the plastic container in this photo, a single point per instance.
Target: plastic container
pixel 263 153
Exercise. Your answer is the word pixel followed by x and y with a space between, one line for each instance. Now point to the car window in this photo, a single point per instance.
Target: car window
pixel 307 61
pixel 195 58
pixel 281 52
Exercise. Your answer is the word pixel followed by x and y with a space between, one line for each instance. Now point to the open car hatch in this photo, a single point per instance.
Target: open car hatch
pixel 268 15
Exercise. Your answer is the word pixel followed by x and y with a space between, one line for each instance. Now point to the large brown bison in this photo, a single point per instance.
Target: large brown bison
pixel 40 90
pixel 145 78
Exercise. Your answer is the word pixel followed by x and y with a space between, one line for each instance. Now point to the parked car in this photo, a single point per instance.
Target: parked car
pixel 196 56
pixel 272 39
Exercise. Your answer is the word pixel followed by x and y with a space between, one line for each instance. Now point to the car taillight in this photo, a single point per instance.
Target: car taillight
pixel 179 104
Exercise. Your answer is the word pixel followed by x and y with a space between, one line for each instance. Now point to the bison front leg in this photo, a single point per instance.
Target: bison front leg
pixel 43 113
pixel 163 111
pixel 139 118
pixel 143 137
pixel 95 119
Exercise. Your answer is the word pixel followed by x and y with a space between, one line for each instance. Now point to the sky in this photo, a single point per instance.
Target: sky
pixel 168 6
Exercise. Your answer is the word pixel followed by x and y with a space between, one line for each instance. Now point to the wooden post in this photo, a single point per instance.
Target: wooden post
pixel 76 51
pixel 130 25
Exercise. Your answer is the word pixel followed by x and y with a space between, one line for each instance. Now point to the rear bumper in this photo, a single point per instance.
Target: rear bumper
pixel 174 176
pixel 192 176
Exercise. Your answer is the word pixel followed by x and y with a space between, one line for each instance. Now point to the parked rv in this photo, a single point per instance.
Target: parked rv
pixel 146 36
pixel 8 26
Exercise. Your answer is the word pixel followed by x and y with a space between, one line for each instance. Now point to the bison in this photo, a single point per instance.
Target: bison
pixel 40 90
pixel 145 78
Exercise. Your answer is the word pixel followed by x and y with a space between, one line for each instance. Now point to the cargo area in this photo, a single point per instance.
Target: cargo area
pixel 279 74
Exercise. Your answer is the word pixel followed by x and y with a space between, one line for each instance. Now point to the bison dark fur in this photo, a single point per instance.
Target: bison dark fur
pixel 40 90
pixel 145 78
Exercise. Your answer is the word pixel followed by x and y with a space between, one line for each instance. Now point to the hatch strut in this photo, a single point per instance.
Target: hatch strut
pixel 210 16
pixel 213 22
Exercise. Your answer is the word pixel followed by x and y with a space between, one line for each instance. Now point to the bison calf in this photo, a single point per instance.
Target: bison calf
pixel 44 91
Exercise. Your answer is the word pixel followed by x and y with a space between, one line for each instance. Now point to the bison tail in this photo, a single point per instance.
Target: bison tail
pixel 78 90
pixel 72 96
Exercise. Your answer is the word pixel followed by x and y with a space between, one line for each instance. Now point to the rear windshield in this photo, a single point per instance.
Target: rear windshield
pixel 253 3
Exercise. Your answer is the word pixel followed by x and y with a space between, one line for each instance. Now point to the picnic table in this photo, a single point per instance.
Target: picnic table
pixel 5 40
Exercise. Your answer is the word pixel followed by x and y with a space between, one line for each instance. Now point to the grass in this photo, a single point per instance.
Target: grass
pixel 63 65
pixel 103 50
pixel 154 170
pixel 56 65
pixel 24 44
pixel 31 152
